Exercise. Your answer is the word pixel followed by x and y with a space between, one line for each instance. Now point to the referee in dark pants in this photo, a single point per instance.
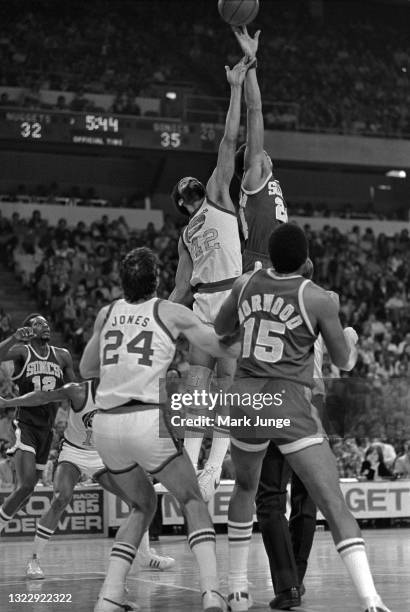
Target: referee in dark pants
pixel 288 545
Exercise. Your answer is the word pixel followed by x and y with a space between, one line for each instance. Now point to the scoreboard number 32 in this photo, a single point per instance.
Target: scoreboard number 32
pixel 30 129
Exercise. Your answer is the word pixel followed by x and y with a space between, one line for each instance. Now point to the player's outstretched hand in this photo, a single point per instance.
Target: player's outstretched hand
pixel 236 75
pixel 248 44
pixel 24 334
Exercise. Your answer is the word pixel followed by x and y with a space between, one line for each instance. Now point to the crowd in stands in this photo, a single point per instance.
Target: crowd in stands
pixel 347 70
pixel 73 271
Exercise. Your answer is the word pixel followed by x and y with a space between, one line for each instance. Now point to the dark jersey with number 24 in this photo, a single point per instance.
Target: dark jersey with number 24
pixel 277 337
pixel 260 212
pixel 39 374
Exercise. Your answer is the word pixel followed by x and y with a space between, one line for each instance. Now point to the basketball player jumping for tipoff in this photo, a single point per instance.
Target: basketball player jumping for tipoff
pixel 262 208
pixel 209 261
pixel 261 203
pixel 37 366
pixel 77 457
pixel 280 315
pixel 132 346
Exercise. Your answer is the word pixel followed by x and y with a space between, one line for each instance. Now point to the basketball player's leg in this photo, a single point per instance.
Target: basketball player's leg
pixel 179 477
pixel 135 488
pixel 247 459
pixel 66 477
pixel 316 467
pixel 147 557
pixel 26 477
pixel 198 380
pixel 209 478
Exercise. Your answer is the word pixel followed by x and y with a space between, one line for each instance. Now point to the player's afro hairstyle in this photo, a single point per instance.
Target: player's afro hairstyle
pixel 139 274
pixel 288 248
pixel 187 191
pixel 28 320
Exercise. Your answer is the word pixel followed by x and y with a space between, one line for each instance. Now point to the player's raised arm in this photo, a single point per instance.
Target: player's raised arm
pixel 218 185
pixel 90 359
pixel 256 163
pixel 38 398
pixel 12 348
pixel 340 343
pixel 182 293
pixel 181 320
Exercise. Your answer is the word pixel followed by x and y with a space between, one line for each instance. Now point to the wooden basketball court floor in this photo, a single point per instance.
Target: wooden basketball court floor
pixel 77 567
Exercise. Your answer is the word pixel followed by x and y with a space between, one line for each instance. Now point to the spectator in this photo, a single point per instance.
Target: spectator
pixel 402 464
pixel 373 467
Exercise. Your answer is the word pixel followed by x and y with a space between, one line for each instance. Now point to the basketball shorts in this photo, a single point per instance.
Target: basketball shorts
pixel 249 258
pixel 36 440
pixel 277 410
pixel 128 437
pixel 207 305
pixel 88 462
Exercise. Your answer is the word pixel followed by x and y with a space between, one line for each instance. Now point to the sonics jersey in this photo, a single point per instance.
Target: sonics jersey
pixel 276 335
pixel 212 240
pixel 78 431
pixel 39 374
pixel 136 350
pixel 260 212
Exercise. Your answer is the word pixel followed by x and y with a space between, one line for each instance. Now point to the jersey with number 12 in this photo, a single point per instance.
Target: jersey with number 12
pixel 212 240
pixel 39 373
pixel 260 212
pixel 136 350
pixel 276 334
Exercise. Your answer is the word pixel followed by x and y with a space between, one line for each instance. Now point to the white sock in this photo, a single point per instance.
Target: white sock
pixel 198 380
pixel 4 519
pixel 193 445
pixel 220 444
pixel 202 543
pixel 239 538
pixel 121 558
pixel 354 557
pixel 144 548
pixel 41 539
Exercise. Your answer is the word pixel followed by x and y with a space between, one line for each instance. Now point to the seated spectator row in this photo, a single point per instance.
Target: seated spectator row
pixel 346 69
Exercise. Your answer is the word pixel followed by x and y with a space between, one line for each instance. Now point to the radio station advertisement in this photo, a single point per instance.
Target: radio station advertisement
pixel 84 515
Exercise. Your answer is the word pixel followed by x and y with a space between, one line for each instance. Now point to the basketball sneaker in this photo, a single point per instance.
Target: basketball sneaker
pixel 154 561
pixel 379 608
pixel 209 480
pixel 33 570
pixel 239 601
pixel 212 601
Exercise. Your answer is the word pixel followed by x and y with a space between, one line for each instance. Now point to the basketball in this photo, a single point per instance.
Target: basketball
pixel 238 12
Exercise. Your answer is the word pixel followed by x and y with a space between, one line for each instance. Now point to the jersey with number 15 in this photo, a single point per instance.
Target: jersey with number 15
pixel 276 334
pixel 260 212
pixel 136 349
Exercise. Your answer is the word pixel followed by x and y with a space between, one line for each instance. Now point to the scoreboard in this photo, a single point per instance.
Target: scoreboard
pixel 107 130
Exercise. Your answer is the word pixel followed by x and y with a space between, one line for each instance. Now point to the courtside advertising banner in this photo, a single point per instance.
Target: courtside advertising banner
pixel 83 517
pixel 366 500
